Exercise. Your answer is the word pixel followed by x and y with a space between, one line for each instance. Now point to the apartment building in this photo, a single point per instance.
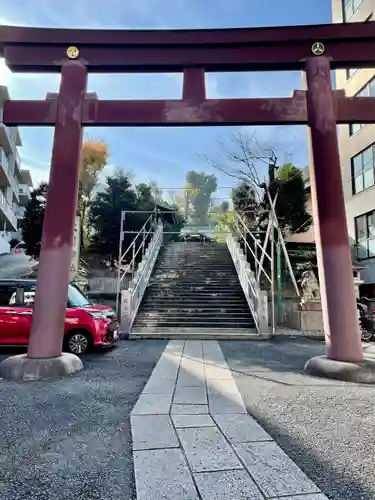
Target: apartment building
pixel 15 183
pixel 357 151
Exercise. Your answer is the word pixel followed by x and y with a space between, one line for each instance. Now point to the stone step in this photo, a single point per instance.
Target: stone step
pixel 202 300
pixel 156 306
pixel 194 277
pixel 200 252
pixel 195 261
pixel 195 280
pixel 192 289
pixel 161 306
pixel 244 314
pixel 199 276
pixel 196 248
pixel 222 285
pixel 185 294
pixel 207 308
pixel 211 268
pixel 197 334
pixel 197 324
pixel 186 280
pixel 208 271
pixel 202 255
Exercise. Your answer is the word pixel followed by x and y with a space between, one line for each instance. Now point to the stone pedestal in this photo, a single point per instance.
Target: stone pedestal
pixel 362 372
pixel 22 368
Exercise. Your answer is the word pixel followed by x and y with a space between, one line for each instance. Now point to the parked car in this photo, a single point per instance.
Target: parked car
pixel 86 324
pixel 19 248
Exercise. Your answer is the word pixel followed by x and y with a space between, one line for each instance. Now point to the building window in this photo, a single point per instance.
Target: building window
pixel 350 72
pixel 355 127
pixel 365 235
pixel 363 166
pixel 349 8
pixel 367 91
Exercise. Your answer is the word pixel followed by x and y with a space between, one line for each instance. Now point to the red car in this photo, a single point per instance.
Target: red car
pixel 86 325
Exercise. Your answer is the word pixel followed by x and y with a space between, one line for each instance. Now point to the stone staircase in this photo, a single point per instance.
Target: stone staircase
pixel 194 293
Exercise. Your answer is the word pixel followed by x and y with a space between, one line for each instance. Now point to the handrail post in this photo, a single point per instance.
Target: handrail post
pixel 278 283
pixel 119 263
pixel 245 238
pixel 133 259
pixel 272 241
pixel 144 241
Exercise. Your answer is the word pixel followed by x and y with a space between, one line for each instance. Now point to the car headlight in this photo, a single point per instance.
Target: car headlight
pixel 97 315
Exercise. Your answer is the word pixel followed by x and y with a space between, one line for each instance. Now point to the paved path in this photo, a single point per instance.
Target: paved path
pixel 193 438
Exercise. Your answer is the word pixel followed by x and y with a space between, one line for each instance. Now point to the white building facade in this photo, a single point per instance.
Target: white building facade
pixel 357 151
pixel 15 183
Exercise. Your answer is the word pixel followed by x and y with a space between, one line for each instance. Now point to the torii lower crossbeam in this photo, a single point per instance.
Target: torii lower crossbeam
pixel 191 112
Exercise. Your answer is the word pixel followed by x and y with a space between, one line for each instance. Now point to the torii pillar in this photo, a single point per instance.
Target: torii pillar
pixel 344 353
pixel 44 358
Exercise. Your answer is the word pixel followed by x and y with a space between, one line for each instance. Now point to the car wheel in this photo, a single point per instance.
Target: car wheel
pixel 77 342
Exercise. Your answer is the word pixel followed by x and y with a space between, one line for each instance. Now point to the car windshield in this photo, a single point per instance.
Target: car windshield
pixel 76 297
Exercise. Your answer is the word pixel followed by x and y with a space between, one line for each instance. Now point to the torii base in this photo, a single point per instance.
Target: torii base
pixel 362 372
pixel 21 368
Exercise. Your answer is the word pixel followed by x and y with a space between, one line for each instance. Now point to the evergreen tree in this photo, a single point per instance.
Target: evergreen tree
pixel 291 199
pixel 200 187
pixel 32 223
pixel 145 198
pixel 105 216
pixel 245 203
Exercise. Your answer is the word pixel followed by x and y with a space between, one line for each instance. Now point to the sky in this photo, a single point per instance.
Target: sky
pixel 157 154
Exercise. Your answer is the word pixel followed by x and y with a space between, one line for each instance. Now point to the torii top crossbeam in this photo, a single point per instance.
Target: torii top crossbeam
pixel 244 49
pixel 192 52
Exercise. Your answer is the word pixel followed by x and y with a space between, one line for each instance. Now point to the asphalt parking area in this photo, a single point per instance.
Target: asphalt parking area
pixel 326 427
pixel 70 439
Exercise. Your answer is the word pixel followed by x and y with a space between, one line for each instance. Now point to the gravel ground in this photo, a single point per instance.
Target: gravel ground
pixel 326 427
pixel 70 439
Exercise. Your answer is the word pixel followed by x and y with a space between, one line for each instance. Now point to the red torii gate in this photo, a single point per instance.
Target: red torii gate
pixel 313 49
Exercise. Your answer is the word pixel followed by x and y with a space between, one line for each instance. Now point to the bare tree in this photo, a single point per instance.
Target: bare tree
pixel 242 157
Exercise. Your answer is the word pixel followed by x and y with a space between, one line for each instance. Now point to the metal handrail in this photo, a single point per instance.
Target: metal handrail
pixel 135 291
pixel 259 268
pixel 132 244
pixel 247 280
pixel 144 275
pixel 120 276
pixel 247 231
pixel 273 226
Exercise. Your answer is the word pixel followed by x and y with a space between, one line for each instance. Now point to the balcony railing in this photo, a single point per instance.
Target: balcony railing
pixel 10 176
pixel 24 190
pixel 8 211
pixel 18 159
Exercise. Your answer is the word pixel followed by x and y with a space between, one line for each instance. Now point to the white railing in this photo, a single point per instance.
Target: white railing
pixel 256 298
pixel 258 250
pixel 131 297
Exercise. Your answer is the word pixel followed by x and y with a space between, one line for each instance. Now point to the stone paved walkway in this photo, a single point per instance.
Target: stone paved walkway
pixel 193 438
